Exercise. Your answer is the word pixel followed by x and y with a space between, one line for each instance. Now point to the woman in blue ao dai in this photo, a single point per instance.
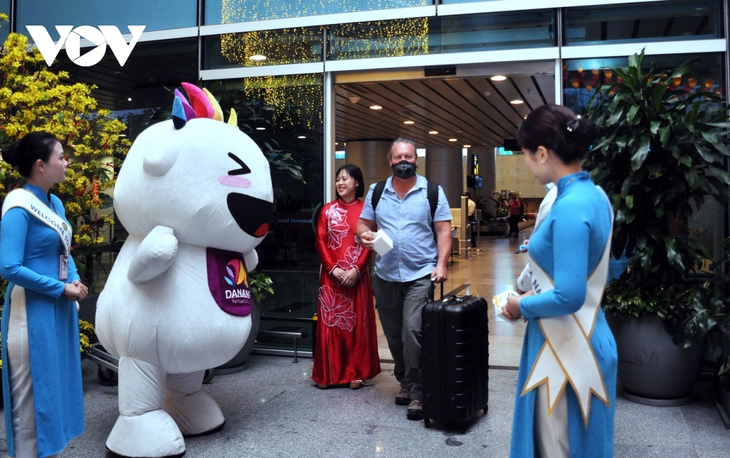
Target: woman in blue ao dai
pixel 41 374
pixel 566 386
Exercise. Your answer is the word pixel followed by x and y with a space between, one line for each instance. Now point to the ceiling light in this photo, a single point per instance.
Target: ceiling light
pixel 433 132
pixel 467 146
pixel 354 98
pixel 517 102
pixel 129 99
pixel 257 57
pixel 302 136
pixel 376 107
pixel 409 122
pixel 487 93
pixel 453 140
pixel 498 78
pixel 261 128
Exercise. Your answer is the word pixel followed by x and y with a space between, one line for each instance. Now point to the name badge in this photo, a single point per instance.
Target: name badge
pixel 63 267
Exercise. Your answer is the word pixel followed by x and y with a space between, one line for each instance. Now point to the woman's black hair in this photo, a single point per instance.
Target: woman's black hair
pixel 557 128
pixel 355 172
pixel 24 153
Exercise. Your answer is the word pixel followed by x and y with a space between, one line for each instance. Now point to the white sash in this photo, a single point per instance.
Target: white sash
pixel 26 200
pixel 567 355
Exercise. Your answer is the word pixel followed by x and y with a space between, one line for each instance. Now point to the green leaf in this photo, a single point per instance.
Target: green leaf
pixel 664 135
pixel 685 68
pixel 705 154
pixel 632 112
pixel 630 202
pixel 637 159
pixel 691 175
pixel 723 175
pixel 615 116
pixel 654 127
pixel 658 95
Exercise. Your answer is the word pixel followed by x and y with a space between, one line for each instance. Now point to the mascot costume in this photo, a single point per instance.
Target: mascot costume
pixel 195 195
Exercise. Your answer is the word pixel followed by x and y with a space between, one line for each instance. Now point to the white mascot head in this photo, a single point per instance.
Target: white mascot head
pixel 195 196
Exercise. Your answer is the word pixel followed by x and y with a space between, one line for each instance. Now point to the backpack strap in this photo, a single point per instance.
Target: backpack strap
pixel 377 192
pixel 433 197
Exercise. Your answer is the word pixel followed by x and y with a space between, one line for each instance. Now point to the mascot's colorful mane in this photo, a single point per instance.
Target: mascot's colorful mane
pixel 202 105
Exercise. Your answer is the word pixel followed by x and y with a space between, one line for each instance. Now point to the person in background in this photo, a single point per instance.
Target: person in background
pixel 403 280
pixel 513 211
pixel 566 385
pixel 41 374
pixel 471 207
pixel 347 345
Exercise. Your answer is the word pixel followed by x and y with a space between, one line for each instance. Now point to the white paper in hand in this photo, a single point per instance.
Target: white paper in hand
pixel 382 243
pixel 499 301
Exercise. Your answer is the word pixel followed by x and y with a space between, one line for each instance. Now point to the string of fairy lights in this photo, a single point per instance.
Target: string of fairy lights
pixel 298 98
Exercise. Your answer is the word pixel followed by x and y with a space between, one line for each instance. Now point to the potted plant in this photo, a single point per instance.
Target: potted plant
pixel 660 156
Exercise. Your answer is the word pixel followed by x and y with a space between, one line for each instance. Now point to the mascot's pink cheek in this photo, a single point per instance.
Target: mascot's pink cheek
pixel 236 182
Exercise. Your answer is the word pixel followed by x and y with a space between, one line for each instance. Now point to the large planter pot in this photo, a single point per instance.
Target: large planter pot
pixel 236 363
pixel 651 369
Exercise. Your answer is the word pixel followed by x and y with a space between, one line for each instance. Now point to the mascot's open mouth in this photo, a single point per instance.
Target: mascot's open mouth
pixel 251 214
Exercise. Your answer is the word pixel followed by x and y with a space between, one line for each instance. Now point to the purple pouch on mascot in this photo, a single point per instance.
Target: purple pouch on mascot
pixel 228 281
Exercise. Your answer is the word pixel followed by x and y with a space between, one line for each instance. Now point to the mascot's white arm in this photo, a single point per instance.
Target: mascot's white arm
pixel 252 260
pixel 154 256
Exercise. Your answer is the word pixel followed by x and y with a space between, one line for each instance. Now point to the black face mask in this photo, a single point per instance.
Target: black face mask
pixel 404 169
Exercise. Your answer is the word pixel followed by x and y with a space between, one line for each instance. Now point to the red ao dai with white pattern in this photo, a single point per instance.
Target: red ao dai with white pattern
pixel 347 346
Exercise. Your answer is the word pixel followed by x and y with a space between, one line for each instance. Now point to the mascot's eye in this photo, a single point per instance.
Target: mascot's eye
pixel 244 168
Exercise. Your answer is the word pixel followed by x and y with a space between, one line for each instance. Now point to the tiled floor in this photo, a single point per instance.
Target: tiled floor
pixel 272 408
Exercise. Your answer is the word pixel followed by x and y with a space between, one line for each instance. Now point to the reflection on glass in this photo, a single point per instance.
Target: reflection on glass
pixel 672 20
pixel 286 107
pixel 583 77
pixel 442 34
pixel 232 11
pixel 267 47
pixel 154 15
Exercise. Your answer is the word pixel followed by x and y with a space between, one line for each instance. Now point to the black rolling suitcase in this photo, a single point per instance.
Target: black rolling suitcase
pixel 454 359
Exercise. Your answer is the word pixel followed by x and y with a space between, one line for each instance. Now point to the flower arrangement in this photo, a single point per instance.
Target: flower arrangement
pixel 87 336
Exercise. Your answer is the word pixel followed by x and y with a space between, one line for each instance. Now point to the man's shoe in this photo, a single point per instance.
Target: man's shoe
pixel 403 398
pixel 356 384
pixel 415 410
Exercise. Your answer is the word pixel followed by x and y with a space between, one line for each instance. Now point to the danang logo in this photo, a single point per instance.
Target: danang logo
pixel 101 37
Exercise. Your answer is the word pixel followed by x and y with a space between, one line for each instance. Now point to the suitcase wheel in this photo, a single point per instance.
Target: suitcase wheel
pixel 427 422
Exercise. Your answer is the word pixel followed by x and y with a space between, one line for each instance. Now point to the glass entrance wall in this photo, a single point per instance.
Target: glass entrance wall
pixel 283 114
pixel 156 15
pixel 583 78
pixel 263 48
pixel 672 20
pixel 232 11
pixel 440 35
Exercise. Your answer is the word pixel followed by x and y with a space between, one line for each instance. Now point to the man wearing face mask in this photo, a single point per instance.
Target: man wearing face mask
pixel 403 277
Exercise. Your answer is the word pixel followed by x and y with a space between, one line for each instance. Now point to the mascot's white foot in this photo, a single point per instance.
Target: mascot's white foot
pixel 143 429
pixel 194 411
pixel 152 434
